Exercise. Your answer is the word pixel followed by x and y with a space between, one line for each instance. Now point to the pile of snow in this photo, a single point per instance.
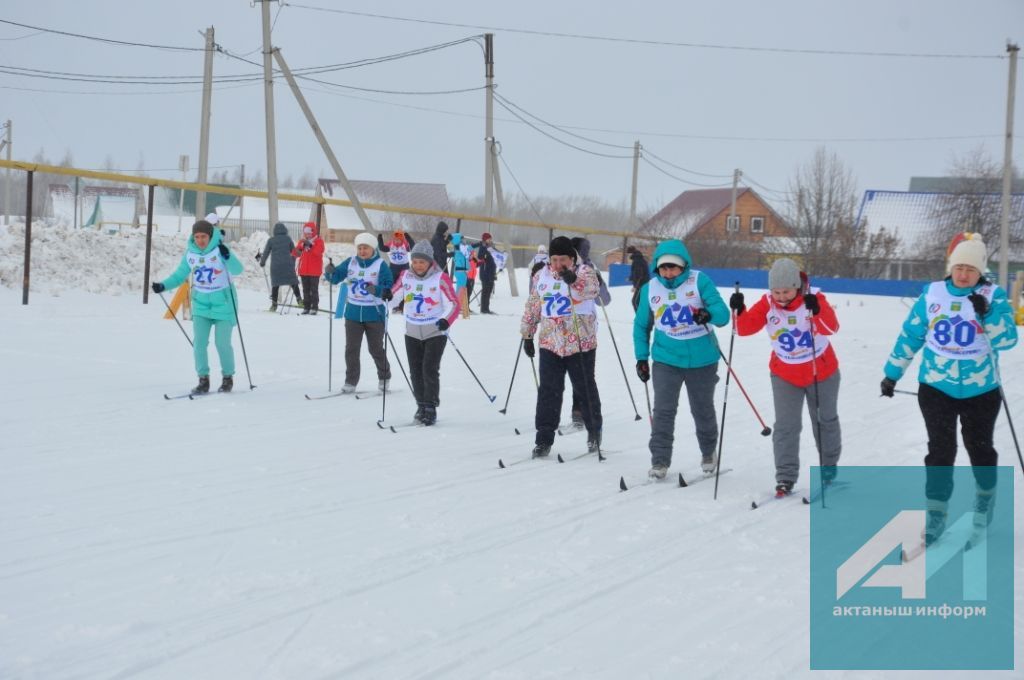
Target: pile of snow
pixel 92 261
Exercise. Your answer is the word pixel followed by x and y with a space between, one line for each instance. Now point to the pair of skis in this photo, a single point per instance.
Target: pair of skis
pixel 682 481
pixel 363 394
pixel 805 497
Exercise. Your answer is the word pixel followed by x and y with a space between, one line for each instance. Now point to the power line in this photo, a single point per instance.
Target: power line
pixel 777 192
pixel 680 179
pixel 110 41
pixel 506 100
pixel 659 43
pixel 521 190
pixel 556 139
pixel 679 167
pixel 117 93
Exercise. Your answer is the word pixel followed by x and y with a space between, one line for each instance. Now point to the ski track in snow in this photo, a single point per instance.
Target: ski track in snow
pixel 263 535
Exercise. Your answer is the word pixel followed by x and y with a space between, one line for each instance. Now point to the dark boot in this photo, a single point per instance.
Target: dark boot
pixel 226 384
pixel 418 416
pixel 429 415
pixel 541 450
pixel 204 385
pixel 594 442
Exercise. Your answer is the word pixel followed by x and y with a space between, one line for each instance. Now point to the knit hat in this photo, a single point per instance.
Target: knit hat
pixel 784 274
pixel 486 236
pixel 542 248
pixel 422 250
pixel 212 218
pixel 969 249
pixel 561 245
pixel 202 227
pixel 366 239
pixel 672 258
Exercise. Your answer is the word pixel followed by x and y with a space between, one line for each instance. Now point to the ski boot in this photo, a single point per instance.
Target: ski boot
pixel 418 416
pixel 429 415
pixel 594 442
pixel 541 450
pixel 708 463
pixel 226 384
pixel 348 389
pixel 936 524
pixel 984 505
pixel 783 488
pixel 273 307
pixel 829 474
pixel 658 472
pixel 204 385
pixel 382 385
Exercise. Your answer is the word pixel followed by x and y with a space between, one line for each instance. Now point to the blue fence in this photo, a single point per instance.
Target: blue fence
pixel 618 275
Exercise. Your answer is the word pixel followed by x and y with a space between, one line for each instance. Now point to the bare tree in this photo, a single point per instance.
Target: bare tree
pixel 973 203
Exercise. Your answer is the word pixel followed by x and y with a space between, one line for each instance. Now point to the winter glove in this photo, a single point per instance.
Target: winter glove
pixel 329 270
pixel 158 287
pixel 701 316
pixel 224 252
pixel 442 325
pixel 643 370
pixel 385 294
pixel 259 260
pixel 307 245
pixel 812 304
pixel 888 387
pixel 981 306
pixel 569 276
pixel 528 347
pixel 736 303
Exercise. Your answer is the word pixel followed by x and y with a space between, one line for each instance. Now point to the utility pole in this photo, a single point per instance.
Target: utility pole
pixel 183 166
pixel 268 100
pixel 6 144
pixel 331 158
pixel 204 122
pixel 241 201
pixel 736 174
pixel 1004 222
pixel 489 125
pixel 632 201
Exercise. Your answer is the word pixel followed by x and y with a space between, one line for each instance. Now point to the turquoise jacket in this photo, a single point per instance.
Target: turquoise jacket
pixel 959 378
pixel 361 313
pixel 694 353
pixel 219 305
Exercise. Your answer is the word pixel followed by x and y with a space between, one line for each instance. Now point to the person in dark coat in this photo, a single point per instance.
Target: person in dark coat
pixel 439 242
pixel 282 265
pixel 487 272
pixel 639 273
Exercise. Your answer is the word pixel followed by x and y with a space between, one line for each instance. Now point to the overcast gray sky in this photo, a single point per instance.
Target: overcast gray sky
pixel 709 106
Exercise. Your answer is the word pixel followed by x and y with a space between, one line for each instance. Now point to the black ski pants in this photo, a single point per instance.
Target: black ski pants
pixel 425 368
pixel 977 424
pixel 553 368
pixel 310 292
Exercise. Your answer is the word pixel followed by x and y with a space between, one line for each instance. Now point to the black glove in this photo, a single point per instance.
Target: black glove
pixel 385 294
pixel 701 316
pixel 259 259
pixel 442 325
pixel 329 269
pixel 528 347
pixel 224 252
pixel 569 276
pixel 643 370
pixel 888 387
pixel 736 303
pixel 981 306
pixel 158 287
pixel 812 304
pixel 308 245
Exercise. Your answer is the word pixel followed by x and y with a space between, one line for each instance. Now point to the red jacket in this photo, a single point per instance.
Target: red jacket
pixel 310 252
pixel 755 318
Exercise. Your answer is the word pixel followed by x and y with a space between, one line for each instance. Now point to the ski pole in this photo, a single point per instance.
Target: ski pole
pixel 330 328
pixel 619 357
pixel 490 396
pixel 913 394
pixel 765 430
pixel 650 414
pixel 504 410
pixel 241 338
pixel 817 400
pixel 725 398
pixel 384 392
pixel 175 317
pixel 1002 394
pixel 266 279
pixel 536 382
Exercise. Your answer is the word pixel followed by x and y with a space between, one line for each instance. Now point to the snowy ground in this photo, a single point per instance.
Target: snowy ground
pixel 260 535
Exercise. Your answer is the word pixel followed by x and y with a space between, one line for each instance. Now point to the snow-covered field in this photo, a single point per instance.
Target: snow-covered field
pixel 261 535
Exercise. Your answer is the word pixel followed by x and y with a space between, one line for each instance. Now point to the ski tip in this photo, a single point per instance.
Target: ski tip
pixel 503 411
pixel 682 482
pixel 392 428
pixel 637 417
pixel 308 397
pixel 517 430
pixel 766 431
pixel 380 424
pixel 805 500
pixel 622 484
pixel 753 505
pixel 560 459
pixel 501 464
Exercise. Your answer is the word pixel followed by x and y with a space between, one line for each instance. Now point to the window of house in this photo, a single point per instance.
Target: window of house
pixel 756 225
pixel 732 223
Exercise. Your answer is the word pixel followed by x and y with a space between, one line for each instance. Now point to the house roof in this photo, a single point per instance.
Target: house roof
pixel 912 216
pixel 692 209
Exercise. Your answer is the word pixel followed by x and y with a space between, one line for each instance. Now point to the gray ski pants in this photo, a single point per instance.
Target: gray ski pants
pixel 700 390
pixel 789 400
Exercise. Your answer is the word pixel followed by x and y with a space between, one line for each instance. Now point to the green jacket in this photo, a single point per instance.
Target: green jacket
pixel 693 353
pixel 219 305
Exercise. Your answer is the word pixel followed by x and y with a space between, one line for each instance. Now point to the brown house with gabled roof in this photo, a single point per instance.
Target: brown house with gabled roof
pixel 700 218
